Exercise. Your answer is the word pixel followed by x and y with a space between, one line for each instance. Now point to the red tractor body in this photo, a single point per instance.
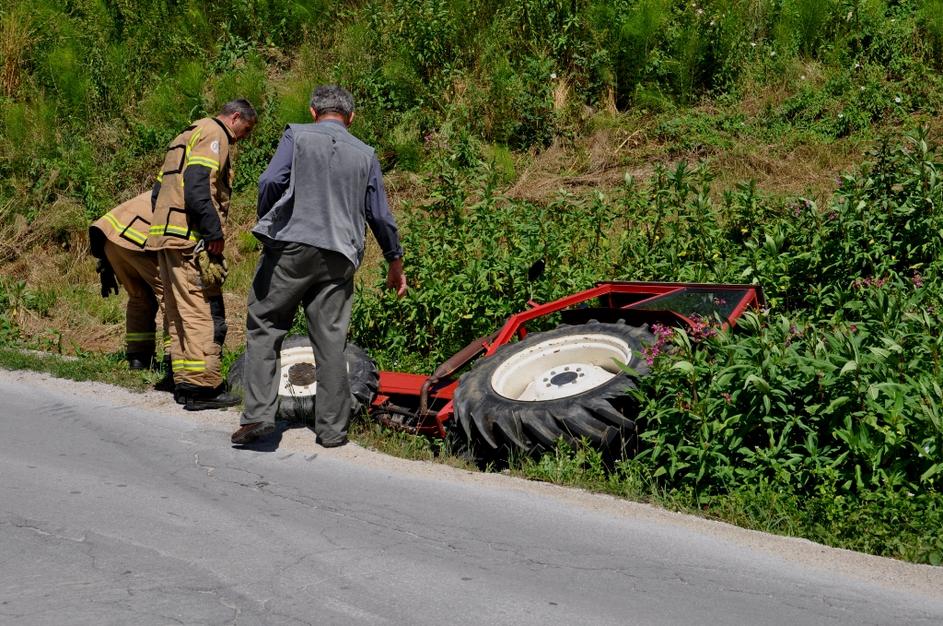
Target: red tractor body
pixel 423 404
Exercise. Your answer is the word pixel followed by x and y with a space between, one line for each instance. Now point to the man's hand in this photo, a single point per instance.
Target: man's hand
pixel 215 247
pixel 395 278
pixel 106 275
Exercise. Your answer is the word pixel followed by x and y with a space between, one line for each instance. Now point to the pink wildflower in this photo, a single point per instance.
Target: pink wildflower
pixel 701 329
pixel 662 334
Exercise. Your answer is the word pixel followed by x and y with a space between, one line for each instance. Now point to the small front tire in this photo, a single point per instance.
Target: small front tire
pixel 297 387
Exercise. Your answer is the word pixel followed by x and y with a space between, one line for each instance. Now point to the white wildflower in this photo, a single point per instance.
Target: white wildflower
pixel 898 99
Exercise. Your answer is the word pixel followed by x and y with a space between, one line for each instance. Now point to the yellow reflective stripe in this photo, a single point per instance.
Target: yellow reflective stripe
pixel 134 235
pixel 206 162
pixel 192 142
pixel 160 176
pixel 170 229
pixel 190 366
pixel 193 139
pixel 108 217
pixel 186 154
pixel 141 336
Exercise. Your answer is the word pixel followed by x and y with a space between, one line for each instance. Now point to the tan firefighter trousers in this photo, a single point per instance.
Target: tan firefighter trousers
pixel 197 320
pixel 138 273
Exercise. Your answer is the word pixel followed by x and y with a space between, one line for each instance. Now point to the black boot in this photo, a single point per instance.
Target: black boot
pixel 141 360
pixel 194 398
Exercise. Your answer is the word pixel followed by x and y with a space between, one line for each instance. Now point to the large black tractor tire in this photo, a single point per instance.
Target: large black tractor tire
pixel 568 383
pixel 296 398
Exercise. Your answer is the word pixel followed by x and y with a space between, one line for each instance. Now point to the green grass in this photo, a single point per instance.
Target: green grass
pixel 371 434
pixel 111 369
pixel 897 526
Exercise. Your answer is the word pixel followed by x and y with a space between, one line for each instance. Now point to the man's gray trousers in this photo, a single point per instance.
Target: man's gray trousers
pixel 322 282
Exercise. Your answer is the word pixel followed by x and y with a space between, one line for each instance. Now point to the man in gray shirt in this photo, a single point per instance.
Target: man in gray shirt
pixel 319 191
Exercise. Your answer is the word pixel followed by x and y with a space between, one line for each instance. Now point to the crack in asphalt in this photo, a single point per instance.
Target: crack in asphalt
pixel 19 522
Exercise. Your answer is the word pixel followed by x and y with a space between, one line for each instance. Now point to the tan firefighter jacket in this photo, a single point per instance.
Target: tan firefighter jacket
pixel 127 225
pixel 191 195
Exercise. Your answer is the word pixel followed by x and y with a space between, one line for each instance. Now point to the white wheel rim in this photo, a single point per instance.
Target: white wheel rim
pixel 294 365
pixel 301 358
pixel 561 367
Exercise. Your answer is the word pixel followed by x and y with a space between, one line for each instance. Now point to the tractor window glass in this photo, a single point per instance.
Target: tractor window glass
pixel 691 301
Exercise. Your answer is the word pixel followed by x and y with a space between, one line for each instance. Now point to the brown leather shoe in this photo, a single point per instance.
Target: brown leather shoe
pixel 248 433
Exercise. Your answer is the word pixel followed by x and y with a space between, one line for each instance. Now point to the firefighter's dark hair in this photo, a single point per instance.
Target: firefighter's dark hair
pixel 242 106
pixel 332 99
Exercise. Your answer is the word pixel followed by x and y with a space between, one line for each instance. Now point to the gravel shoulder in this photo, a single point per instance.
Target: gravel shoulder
pixel 922 580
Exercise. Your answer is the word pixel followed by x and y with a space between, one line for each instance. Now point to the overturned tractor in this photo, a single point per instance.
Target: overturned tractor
pixel 515 392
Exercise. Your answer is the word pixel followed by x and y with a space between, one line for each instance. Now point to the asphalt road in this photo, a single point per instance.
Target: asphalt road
pixel 119 509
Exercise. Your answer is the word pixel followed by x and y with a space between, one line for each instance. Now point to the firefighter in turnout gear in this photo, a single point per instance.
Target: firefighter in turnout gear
pixel 191 201
pixel 117 240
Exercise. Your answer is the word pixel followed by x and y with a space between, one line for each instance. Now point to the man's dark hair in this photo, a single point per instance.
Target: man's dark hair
pixel 332 99
pixel 241 106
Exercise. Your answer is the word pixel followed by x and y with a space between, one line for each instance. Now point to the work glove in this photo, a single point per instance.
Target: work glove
pixel 213 267
pixel 106 275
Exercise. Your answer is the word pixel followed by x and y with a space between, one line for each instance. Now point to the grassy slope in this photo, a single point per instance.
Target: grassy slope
pixel 616 144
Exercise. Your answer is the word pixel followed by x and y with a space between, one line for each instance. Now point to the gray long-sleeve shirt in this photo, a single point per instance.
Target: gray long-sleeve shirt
pixel 275 182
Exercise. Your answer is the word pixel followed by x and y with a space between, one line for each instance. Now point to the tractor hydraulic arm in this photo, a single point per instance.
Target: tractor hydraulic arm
pixel 451 365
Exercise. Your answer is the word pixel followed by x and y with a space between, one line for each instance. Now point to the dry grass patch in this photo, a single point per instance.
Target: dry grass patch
pixel 17 36
pixel 596 162
pixel 806 169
